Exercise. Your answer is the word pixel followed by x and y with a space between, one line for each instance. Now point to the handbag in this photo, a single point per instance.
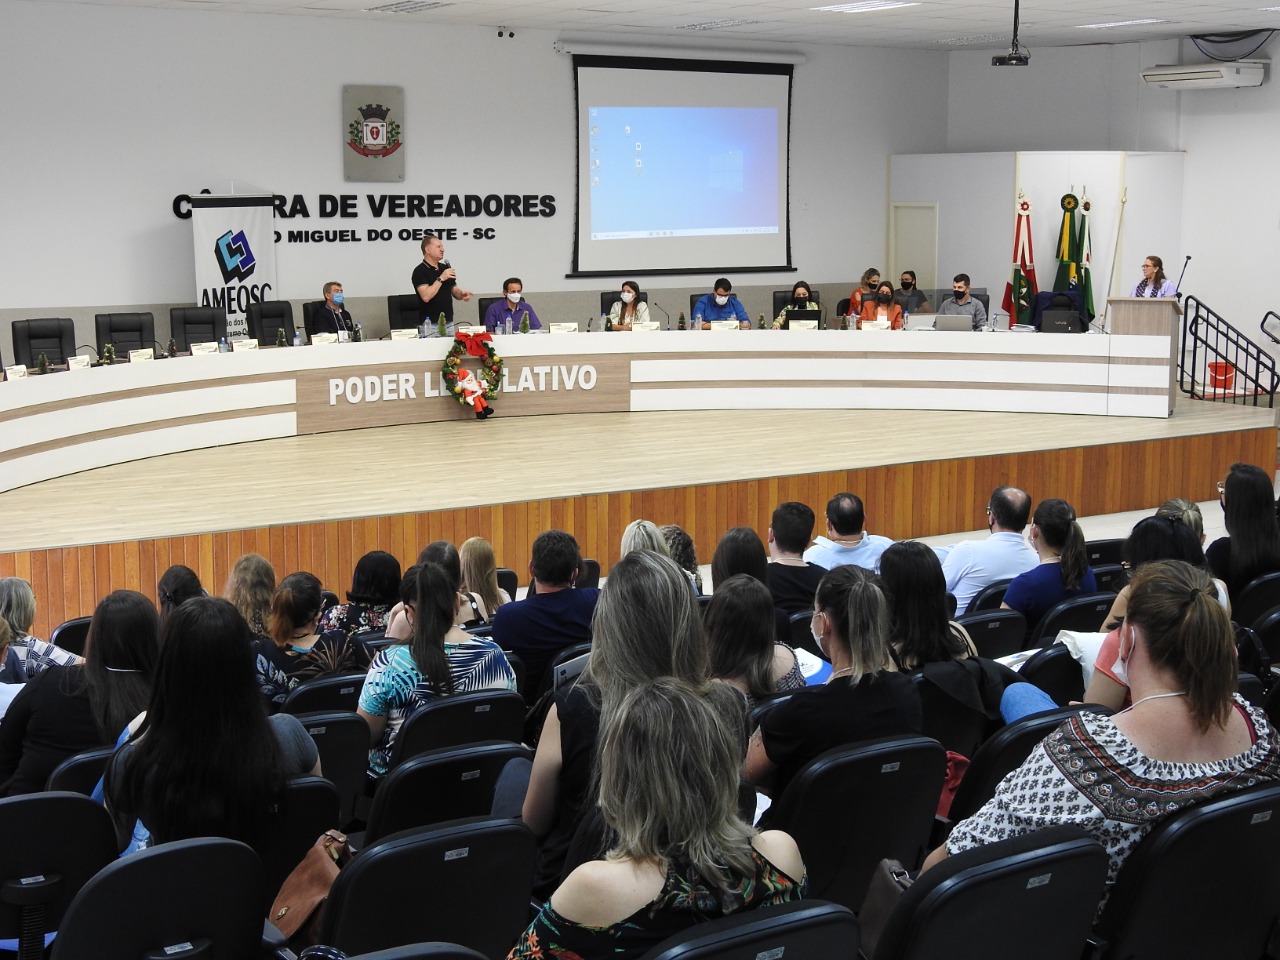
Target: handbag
pixel 297 909
pixel 889 882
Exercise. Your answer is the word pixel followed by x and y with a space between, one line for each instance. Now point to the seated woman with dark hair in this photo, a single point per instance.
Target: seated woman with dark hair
pixel 177 585
pixel 439 660
pixel 375 588
pixel 863 698
pixel 206 761
pixel 1251 547
pixel 740 636
pixel 669 753
pixel 298 650
pixel 1187 737
pixel 920 630
pixel 472 613
pixel 66 710
pixel 1063 570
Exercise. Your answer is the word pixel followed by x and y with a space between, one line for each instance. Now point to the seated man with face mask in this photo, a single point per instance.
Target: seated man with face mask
pixel 333 316
pixel 511 307
pixel 720 305
pixel 961 304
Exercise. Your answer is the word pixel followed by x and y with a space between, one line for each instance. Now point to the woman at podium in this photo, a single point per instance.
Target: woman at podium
pixel 1154 283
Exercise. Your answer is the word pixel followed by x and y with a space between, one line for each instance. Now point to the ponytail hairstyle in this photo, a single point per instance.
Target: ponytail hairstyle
pixel 177 585
pixel 643 535
pixel 296 603
pixel 1249 509
pixel 850 597
pixel 434 610
pixel 1057 522
pixel 1162 538
pixel 445 555
pixel 1188 511
pixel 1188 633
pixel 120 655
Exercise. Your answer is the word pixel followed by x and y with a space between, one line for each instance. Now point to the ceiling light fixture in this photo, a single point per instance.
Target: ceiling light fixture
pixel 866 6
pixel 717 24
pixel 1116 23
pixel 407 6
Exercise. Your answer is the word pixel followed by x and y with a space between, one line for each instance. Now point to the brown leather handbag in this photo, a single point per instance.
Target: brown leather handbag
pixel 298 907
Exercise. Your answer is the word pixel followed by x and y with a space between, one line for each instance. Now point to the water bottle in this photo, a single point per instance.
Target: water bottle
pixel 506 325
pixel 297 338
pixel 604 321
pixel 222 345
pixel 697 321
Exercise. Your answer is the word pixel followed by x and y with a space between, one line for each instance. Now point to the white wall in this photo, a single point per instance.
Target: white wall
pixel 129 107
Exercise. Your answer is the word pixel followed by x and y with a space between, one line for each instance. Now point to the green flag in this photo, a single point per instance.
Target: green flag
pixel 1086 273
pixel 1068 246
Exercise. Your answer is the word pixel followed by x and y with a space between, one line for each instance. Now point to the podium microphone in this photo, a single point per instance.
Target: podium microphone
pixel 664 313
pixel 1177 291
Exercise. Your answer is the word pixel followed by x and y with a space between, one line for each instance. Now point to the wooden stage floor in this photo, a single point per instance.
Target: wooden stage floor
pixel 317 502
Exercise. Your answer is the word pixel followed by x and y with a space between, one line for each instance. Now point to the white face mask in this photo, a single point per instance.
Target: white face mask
pixel 721 300
pixel 514 297
pixel 627 296
pixel 1121 667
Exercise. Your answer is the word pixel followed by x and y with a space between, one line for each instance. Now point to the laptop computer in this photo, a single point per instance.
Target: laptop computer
pixel 1060 321
pixel 921 321
pixel 812 316
pixel 952 322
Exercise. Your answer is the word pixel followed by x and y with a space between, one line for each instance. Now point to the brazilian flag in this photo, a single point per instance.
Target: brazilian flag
pixel 1068 246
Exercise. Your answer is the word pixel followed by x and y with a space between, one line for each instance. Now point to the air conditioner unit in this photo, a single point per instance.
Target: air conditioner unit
pixel 1205 76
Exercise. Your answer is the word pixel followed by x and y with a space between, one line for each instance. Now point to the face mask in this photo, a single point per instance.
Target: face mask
pixel 959 294
pixel 627 296
pixel 906 284
pixel 338 299
pixel 1121 667
pixel 884 297
pixel 513 297
pixel 721 300
pixel 801 298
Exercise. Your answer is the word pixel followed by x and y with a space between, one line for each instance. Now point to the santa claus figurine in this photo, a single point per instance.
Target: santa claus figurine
pixel 473 393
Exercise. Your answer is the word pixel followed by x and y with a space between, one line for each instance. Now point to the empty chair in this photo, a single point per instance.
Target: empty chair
pixel 55 337
pixel 61 838
pixel 564 667
pixel 1003 753
pixel 855 805
pixel 325 693
pixel 482 307
pixel 1029 896
pixel 125 332
pixel 308 807
pixel 1110 577
pixel 188 325
pixel 805 928
pixel 1202 883
pixel 70 635
pixel 461 719
pixel 1260 596
pixel 404 311
pixel 81 773
pixel 265 319
pixel 1251 653
pixel 996 633
pixel 342 740
pixel 589 574
pixel 206 894
pixel 1251 688
pixel 1104 551
pixel 508 581
pixel 466 882
pixel 1084 613
pixel 989 597
pixel 1056 672
pixel 440 785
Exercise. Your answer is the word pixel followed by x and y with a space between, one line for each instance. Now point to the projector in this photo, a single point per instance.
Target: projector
pixel 1015 58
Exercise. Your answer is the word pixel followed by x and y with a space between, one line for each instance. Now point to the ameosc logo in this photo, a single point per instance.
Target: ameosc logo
pixel 235 259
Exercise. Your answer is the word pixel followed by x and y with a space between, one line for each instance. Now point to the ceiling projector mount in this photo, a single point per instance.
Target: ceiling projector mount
pixel 1015 57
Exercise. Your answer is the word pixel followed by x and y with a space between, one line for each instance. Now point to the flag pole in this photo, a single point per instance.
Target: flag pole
pixel 1115 254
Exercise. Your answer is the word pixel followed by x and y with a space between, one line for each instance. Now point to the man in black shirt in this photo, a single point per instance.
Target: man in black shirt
pixel 792 580
pixel 436 284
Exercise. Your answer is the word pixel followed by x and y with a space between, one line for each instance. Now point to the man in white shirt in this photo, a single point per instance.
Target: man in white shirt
pixel 846 540
pixel 973 564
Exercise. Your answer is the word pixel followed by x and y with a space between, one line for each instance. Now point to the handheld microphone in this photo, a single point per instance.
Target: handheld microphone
pixel 657 305
pixel 1177 291
pixel 446 265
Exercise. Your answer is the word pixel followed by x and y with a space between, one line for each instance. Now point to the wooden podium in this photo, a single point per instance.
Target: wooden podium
pixel 1149 317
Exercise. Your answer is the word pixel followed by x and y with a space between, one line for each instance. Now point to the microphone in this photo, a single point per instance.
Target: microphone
pixel 664 313
pixel 1177 291
pixel 446 265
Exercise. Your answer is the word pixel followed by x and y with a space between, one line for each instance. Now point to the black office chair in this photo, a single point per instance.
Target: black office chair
pixel 996 633
pixel 1030 896
pixel 325 693
pixel 71 635
pixel 801 635
pixel 1259 597
pixel 460 719
pixel 466 882
pixel 693 303
pixel 342 739
pixel 1104 551
pixel 482 307
pixel 188 325
pixel 588 574
pixel 805 928
pixel 855 805
pixel 80 773
pixel 989 597
pixel 438 786
pixel 782 297
pixel 842 307
pixel 126 331
pixel 55 337
pixel 508 581
pixel 327 599
pixel 1110 577
pixel 308 807
pixel 404 311
pixel 1251 688
pixel 1004 752
pixel 1056 672
pixel 1084 613
pixel 309 311
pixel 202 897
pixel 265 318
pixel 54 843
pixel 1251 654
pixel 1202 883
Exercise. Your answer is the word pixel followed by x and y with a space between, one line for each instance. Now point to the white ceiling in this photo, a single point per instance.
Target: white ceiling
pixel 932 24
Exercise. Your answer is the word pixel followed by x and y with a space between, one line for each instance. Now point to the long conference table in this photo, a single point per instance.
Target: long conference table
pixel 63 423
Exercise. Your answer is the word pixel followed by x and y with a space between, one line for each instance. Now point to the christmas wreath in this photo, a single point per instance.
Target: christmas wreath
pixel 473 345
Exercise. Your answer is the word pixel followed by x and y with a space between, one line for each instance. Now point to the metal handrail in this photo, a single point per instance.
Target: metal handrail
pixel 1218 362
pixel 1270 315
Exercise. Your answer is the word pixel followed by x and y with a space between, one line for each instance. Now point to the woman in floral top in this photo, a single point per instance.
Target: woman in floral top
pixel 669 757
pixel 375 589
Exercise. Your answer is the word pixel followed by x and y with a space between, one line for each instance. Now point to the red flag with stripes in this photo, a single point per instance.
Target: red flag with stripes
pixel 1021 289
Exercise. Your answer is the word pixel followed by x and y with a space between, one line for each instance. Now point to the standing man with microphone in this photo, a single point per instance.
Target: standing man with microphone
pixel 436 284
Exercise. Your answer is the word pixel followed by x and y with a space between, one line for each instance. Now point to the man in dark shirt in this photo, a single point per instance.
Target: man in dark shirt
pixel 792 580
pixel 436 284
pixel 333 316
pixel 556 616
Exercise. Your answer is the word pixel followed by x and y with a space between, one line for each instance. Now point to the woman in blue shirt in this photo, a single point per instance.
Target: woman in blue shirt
pixel 1063 570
